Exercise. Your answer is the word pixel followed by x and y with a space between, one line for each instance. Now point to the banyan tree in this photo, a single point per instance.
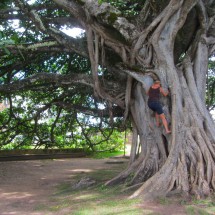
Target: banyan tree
pixel 129 44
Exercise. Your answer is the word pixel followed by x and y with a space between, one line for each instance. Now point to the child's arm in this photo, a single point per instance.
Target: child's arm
pixel 165 93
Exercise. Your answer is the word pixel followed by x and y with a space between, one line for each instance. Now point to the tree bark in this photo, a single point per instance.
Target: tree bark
pixel 185 160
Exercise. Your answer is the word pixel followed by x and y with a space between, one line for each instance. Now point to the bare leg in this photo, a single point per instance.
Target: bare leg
pixel 157 119
pixel 163 118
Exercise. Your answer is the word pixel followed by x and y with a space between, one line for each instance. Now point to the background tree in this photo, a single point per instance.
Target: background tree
pixel 210 86
pixel 128 44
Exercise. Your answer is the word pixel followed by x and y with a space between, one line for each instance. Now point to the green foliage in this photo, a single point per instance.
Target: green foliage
pixel 210 86
pixel 129 8
pixel 47 115
pixel 4 3
pixel 32 122
pixel 36 126
pixel 4 42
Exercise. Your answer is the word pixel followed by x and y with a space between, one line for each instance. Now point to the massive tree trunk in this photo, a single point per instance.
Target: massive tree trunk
pixel 185 160
pixel 171 41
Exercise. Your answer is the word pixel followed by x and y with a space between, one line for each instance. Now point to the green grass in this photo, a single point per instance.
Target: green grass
pixel 105 206
pixel 95 200
pixel 101 200
pixel 101 155
pixel 202 206
pixel 192 210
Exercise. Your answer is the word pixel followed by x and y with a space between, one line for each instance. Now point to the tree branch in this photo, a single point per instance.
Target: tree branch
pixel 45 78
pixel 76 45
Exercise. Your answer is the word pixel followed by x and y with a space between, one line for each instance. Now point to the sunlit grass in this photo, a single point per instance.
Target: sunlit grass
pixel 86 197
pixel 102 200
pixel 192 210
pixel 107 202
pixel 95 200
pixel 111 208
pixel 202 206
pixel 59 207
pixel 101 155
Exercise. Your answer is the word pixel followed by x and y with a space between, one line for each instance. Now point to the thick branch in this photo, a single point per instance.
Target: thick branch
pixel 59 80
pixel 76 45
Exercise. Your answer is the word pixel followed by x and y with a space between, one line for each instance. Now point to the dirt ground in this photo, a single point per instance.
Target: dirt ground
pixel 26 184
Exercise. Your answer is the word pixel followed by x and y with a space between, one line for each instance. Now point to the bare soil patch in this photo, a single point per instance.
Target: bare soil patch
pixel 25 185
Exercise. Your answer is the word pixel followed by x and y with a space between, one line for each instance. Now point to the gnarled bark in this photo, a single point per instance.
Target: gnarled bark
pixel 184 160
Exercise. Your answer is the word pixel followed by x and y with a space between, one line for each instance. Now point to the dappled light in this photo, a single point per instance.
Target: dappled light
pixel 15 195
pixel 80 170
pixel 86 196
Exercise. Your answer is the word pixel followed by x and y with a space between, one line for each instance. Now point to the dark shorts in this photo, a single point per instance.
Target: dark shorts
pixel 156 107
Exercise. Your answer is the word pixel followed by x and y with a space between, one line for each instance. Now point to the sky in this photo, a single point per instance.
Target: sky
pixel 73 32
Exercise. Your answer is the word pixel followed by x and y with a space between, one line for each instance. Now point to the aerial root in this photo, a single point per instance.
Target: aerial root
pixel 123 176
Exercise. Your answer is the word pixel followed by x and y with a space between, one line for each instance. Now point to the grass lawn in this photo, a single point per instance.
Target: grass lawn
pixel 100 200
